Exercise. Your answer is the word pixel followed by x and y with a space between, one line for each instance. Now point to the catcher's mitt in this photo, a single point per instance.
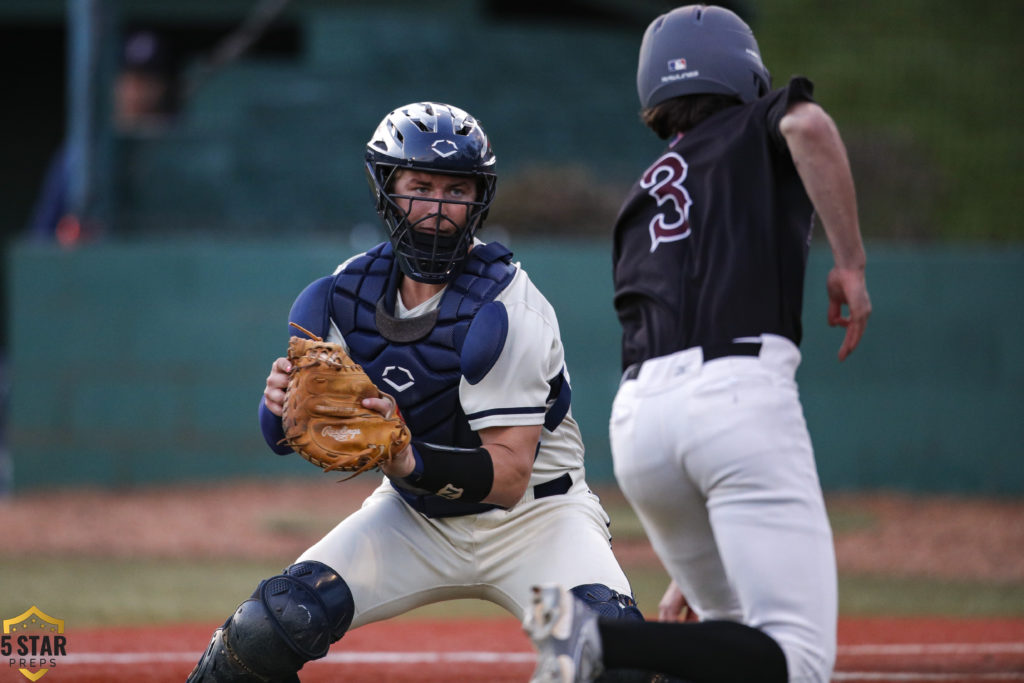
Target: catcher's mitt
pixel 324 419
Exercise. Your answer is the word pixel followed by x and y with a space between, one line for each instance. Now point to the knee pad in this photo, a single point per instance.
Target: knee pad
pixel 334 594
pixel 290 619
pixel 614 605
pixel 608 603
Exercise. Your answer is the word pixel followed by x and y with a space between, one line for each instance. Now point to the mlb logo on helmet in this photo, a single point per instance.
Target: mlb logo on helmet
pixel 677 64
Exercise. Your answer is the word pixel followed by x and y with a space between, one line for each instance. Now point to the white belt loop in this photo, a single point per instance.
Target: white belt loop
pixel 781 353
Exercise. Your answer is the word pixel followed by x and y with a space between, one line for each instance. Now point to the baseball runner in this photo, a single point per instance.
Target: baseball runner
pixel 490 496
pixel 707 432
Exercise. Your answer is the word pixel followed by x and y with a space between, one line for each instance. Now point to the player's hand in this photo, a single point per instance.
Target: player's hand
pixel 847 287
pixel 673 606
pixel 384 405
pixel 402 463
pixel 277 385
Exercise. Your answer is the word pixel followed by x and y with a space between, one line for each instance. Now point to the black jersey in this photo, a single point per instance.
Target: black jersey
pixel 711 243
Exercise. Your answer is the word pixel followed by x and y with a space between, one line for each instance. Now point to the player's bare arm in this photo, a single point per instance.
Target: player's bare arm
pixel 821 161
pixel 511 450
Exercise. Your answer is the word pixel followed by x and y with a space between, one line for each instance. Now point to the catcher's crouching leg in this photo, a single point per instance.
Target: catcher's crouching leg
pixel 290 619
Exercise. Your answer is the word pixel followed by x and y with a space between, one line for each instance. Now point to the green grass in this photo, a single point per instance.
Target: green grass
pixel 95 592
pixel 885 596
pixel 858 595
pixel 86 591
pixel 880 596
pixel 103 591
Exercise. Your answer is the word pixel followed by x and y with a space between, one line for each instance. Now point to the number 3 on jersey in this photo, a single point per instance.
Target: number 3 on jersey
pixel 664 181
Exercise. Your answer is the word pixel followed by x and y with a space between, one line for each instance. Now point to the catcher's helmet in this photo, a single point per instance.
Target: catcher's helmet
pixel 434 138
pixel 699 49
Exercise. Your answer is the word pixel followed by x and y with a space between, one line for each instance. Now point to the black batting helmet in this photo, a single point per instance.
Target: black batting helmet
pixel 699 49
pixel 434 138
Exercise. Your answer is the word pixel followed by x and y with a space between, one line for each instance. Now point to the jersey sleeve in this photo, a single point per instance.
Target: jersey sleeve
pixel 799 89
pixel 310 310
pixel 515 390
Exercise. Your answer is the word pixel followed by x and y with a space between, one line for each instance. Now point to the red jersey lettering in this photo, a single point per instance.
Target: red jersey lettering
pixel 664 181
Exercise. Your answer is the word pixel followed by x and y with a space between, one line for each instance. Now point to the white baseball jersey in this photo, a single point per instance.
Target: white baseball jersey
pixel 531 357
pixel 395 559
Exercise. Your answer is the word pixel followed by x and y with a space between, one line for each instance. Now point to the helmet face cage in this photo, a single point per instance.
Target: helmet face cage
pixel 432 138
pixel 434 253
pixel 700 50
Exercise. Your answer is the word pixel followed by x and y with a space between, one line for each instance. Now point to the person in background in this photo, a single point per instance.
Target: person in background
pixel 145 101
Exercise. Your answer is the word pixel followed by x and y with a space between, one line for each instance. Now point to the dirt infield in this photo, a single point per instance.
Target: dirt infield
pixel 496 651
pixel 893 534
pixel 884 534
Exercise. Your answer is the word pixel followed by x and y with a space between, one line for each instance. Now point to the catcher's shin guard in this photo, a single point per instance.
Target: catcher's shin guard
pixel 290 619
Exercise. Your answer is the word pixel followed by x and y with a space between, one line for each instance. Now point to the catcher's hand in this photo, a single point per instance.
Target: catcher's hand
pixel 324 418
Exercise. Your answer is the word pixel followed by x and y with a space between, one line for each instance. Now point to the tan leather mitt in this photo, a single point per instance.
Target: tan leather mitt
pixel 324 419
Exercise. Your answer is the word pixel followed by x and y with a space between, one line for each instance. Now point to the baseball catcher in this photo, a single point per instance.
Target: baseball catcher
pixel 490 496
pixel 324 418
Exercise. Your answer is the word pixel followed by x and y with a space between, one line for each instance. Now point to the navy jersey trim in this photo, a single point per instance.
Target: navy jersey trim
pixel 505 411
pixel 559 400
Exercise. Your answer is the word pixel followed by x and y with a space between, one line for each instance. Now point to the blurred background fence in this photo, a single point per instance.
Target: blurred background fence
pixel 145 363
pixel 137 340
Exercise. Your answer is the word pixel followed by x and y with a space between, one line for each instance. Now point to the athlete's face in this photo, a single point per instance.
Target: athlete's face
pixel 432 200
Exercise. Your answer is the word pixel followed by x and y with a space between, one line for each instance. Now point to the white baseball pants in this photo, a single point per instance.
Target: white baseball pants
pixel 394 559
pixel 716 459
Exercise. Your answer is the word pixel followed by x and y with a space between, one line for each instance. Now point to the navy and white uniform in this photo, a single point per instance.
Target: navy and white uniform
pixel 484 352
pixel 708 435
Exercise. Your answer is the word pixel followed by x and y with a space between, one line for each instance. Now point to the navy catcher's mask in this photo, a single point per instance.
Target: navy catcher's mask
pixel 433 138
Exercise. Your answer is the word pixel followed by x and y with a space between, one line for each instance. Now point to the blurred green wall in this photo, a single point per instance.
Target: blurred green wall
pixel 170 318
pixel 922 90
pixel 266 143
pixel 144 363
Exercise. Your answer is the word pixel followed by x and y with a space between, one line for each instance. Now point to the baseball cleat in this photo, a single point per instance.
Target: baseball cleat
pixel 564 631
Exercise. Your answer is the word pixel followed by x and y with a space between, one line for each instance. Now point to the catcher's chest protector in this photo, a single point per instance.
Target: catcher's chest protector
pixel 415 361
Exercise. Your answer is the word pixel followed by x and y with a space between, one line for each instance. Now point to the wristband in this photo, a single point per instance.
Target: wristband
pixel 465 474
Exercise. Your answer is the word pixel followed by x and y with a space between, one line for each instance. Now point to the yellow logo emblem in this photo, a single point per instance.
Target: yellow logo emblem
pixel 32 641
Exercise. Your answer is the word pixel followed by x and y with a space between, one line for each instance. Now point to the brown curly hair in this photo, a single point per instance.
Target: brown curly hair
pixel 680 114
